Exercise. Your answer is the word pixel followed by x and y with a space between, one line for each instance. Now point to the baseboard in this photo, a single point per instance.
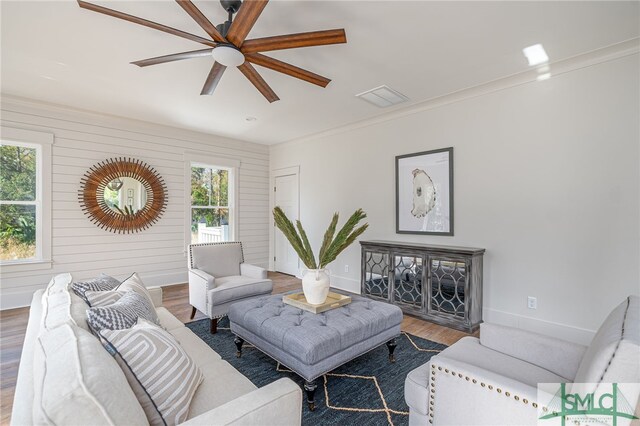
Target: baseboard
pixel 536 325
pixel 11 298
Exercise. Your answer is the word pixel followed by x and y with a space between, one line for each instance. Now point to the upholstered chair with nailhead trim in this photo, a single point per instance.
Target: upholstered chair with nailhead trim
pixel 218 277
pixel 493 380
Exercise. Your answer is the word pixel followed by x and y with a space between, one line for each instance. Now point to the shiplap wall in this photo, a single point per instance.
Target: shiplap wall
pixel 79 247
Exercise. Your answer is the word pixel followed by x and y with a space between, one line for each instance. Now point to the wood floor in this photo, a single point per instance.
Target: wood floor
pixel 13 323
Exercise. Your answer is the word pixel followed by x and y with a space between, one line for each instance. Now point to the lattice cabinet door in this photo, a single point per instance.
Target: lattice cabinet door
pixel 409 280
pixel 375 274
pixel 449 288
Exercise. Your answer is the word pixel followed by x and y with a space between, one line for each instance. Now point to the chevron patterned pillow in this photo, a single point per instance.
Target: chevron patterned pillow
pixel 122 314
pixel 160 365
pixel 102 283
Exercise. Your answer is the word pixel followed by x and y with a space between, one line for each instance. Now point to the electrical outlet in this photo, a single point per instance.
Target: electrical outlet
pixel 532 302
pixel 346 268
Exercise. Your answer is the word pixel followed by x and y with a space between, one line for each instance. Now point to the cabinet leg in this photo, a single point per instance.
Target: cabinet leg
pixel 238 341
pixel 310 389
pixel 391 345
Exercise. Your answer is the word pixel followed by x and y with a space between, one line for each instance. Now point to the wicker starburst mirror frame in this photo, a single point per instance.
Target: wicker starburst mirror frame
pixel 108 176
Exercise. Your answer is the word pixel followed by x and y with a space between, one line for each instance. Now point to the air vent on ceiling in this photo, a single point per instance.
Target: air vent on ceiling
pixel 382 96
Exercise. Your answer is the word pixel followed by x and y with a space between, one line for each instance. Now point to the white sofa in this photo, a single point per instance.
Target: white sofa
pixel 493 380
pixel 80 383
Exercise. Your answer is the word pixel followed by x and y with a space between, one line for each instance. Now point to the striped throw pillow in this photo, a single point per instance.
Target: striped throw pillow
pixel 160 365
pixel 102 283
pixel 122 314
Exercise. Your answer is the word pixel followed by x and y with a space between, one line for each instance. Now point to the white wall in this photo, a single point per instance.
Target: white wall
pixel 546 179
pixel 83 139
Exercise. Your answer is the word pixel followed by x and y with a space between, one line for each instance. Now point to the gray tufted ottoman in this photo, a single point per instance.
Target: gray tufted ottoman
pixel 314 344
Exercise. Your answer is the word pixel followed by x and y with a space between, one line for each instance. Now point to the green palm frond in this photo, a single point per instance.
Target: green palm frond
pixel 331 247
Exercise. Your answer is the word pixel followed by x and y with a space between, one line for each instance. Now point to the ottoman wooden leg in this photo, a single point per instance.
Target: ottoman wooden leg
pixel 310 389
pixel 213 328
pixel 391 345
pixel 238 341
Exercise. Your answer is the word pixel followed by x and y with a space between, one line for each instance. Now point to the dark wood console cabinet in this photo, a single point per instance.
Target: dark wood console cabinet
pixel 442 284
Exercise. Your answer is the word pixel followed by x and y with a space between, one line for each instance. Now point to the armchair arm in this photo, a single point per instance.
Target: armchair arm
pixel 278 403
pixel 199 285
pixel 558 356
pixel 156 295
pixel 252 271
pixel 489 398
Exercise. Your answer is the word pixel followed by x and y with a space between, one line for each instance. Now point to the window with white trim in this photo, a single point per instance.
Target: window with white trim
pixel 211 203
pixel 25 199
pixel 20 202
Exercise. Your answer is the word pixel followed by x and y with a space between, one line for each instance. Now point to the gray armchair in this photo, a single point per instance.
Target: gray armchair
pixel 219 277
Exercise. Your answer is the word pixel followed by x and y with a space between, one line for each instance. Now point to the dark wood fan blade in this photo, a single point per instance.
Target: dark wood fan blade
pixel 291 41
pixel 202 20
pixel 250 72
pixel 144 22
pixel 285 68
pixel 244 20
pixel 213 79
pixel 173 57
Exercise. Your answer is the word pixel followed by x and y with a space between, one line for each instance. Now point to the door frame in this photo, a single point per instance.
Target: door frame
pixel 285 171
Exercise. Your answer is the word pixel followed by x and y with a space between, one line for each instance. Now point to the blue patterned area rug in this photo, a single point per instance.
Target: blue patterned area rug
pixel 366 391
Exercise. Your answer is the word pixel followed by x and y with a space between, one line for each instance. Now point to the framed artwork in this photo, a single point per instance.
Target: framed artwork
pixel 424 192
pixel 130 192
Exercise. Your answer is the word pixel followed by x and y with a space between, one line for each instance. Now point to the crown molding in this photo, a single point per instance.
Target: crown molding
pixel 584 60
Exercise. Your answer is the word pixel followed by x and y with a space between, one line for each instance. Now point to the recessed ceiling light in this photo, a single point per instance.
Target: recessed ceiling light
pixel 382 96
pixel 535 54
pixel 250 119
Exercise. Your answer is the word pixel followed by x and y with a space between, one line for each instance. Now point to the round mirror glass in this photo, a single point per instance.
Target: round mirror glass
pixel 125 195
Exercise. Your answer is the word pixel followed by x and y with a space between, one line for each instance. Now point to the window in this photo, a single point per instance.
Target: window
pixel 210 210
pixel 25 186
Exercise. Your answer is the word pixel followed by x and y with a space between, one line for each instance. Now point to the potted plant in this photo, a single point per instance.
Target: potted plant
pixel 315 282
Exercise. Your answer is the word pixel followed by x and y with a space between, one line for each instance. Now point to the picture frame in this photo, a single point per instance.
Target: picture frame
pixel 424 192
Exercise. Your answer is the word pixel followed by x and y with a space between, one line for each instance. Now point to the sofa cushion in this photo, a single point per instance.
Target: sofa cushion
pixel 61 306
pixel 217 259
pixel 122 314
pixel 195 347
pixel 470 351
pixel 237 287
pixel 167 320
pixel 169 377
pixel 614 353
pixel 222 383
pixel 77 382
pixel 102 283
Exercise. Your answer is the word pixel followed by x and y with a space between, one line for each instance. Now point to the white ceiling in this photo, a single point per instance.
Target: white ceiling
pixel 56 52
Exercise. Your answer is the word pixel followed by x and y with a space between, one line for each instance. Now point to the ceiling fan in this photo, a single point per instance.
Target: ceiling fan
pixel 229 47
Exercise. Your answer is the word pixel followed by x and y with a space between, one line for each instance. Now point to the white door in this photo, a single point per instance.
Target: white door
pixel 286 197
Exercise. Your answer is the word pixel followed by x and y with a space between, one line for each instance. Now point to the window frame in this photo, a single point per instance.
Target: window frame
pixel 224 163
pixel 42 142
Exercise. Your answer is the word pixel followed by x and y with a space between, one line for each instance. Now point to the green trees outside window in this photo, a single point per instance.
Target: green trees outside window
pixel 18 202
pixel 209 200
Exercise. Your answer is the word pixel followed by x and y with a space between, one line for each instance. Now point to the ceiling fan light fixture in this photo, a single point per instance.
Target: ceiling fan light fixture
pixel 228 55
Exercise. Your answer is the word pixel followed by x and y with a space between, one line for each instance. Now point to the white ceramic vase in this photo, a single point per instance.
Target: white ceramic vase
pixel 315 285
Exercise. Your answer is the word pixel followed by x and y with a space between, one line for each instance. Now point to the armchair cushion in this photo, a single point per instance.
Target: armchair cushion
pixel 615 350
pixel 217 259
pixel 558 356
pixel 252 271
pixel 237 287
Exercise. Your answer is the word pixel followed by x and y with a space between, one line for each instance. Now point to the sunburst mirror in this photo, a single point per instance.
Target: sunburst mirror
pixel 123 195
